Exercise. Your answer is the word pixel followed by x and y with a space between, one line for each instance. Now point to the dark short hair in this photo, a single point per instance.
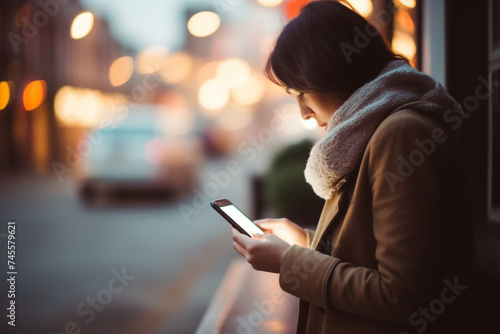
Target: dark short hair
pixel 319 51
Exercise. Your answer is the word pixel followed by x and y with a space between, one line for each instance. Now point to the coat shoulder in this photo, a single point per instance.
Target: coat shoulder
pixel 409 119
pixel 405 126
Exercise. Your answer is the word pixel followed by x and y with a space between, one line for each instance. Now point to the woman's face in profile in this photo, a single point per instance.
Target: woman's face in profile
pixel 321 107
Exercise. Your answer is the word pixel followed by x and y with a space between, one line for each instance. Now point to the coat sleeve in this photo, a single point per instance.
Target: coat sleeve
pixel 407 211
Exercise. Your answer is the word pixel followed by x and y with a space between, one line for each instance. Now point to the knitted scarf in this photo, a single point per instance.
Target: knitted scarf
pixel 398 86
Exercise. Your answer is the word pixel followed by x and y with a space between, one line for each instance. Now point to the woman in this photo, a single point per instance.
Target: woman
pixel 391 252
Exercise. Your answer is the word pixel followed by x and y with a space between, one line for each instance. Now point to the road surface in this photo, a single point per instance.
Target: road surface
pixel 119 268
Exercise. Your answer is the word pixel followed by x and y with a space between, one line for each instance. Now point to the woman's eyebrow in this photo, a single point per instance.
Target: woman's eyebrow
pixel 287 90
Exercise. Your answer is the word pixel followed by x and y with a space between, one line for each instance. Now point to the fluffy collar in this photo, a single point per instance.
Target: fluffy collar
pixel 398 86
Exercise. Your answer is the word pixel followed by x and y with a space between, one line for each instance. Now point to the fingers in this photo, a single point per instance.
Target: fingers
pixel 242 243
pixel 265 253
pixel 243 252
pixel 240 239
pixel 234 232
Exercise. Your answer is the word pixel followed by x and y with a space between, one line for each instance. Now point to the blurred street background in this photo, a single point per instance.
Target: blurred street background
pixel 120 121
pixel 66 253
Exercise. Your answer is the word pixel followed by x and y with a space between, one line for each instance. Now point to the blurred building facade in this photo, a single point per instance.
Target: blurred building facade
pixel 37 46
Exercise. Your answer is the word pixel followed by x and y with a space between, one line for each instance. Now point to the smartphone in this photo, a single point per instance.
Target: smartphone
pixel 235 217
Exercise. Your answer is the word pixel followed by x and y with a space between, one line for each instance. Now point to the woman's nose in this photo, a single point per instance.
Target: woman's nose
pixel 306 112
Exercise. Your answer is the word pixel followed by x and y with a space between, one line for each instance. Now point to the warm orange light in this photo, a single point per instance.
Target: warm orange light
pixel 270 3
pixel 214 94
pixel 406 3
pixel 177 68
pixel 404 43
pixel 208 71
pixel 234 71
pixel 203 24
pixel 403 18
pixel 249 93
pixel 82 25
pixel 83 107
pixel 5 93
pixel 364 7
pixel 292 8
pixel 34 94
pixel 120 71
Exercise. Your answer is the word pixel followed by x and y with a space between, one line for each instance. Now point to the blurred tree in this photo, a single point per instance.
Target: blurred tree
pixel 285 189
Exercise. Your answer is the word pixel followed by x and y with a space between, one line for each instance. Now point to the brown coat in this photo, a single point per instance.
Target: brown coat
pixel 396 240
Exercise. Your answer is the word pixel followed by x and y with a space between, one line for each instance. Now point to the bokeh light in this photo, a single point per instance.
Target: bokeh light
pixel 82 25
pixel 152 59
pixel 208 71
pixel 203 24
pixel 364 7
pixel 292 7
pixel 403 43
pixel 5 93
pixel 404 19
pixel 121 70
pixel 406 3
pixel 177 67
pixel 250 92
pixel 269 3
pixel 234 71
pixel 214 94
pixel 34 94
pixel 83 107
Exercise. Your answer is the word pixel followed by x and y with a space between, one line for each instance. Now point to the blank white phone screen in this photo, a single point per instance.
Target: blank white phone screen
pixel 245 223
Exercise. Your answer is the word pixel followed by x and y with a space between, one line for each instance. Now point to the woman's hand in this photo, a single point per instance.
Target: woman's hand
pixel 285 229
pixel 263 252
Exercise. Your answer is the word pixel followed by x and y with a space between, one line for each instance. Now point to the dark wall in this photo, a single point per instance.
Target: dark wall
pixel 467 61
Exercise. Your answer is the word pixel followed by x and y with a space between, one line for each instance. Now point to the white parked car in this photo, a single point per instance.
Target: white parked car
pixel 141 154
